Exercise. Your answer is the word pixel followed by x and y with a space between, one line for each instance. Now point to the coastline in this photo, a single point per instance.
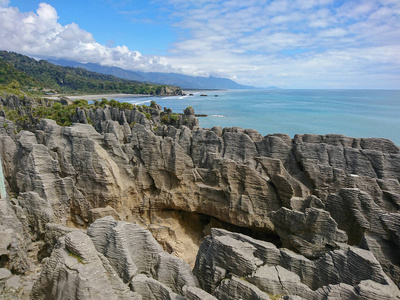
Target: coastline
pixel 203 90
pixel 97 97
pixel 91 97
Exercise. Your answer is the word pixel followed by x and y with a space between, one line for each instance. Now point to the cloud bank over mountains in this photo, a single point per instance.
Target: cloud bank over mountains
pixel 39 34
pixel 315 43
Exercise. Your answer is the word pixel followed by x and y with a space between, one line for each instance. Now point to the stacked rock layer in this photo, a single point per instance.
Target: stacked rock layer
pixel 315 216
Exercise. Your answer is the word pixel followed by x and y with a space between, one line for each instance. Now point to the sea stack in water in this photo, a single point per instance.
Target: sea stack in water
pixel 135 207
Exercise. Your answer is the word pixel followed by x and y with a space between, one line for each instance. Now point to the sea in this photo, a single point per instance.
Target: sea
pixel 355 113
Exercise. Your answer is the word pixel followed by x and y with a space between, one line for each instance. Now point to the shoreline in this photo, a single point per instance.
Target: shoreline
pixel 92 97
pixel 98 97
pixel 204 90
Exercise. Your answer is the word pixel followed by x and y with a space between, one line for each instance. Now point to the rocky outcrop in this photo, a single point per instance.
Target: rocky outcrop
pixel 132 250
pixel 234 266
pixel 236 288
pixel 13 102
pixel 115 260
pixel 194 293
pixel 75 270
pixel 27 113
pixel 391 224
pixel 152 289
pixel 311 233
pixel 318 202
pixel 169 90
pixel 15 243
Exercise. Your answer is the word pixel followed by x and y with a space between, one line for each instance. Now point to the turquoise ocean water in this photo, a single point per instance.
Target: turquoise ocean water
pixel 356 113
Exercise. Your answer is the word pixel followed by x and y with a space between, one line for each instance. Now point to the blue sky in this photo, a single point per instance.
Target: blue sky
pixel 290 44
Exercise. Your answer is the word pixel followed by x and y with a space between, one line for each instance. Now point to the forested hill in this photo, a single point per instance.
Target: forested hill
pixel 9 74
pixel 30 74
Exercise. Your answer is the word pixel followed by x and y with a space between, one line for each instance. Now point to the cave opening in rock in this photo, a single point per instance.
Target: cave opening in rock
pixel 256 233
pixel 181 233
pixel 4 261
pixel 204 223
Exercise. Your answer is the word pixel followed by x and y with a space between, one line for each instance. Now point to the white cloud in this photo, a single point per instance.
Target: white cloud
pixel 4 3
pixel 357 9
pixel 39 34
pixel 299 43
pixel 334 32
pixel 309 4
pixel 319 23
pixel 278 6
pixel 293 17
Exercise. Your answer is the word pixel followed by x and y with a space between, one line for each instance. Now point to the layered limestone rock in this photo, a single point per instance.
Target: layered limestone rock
pixel 115 260
pixel 105 118
pixel 235 288
pixel 15 243
pixel 233 266
pixel 311 233
pixel 194 293
pixel 75 270
pixel 314 195
pixel 132 250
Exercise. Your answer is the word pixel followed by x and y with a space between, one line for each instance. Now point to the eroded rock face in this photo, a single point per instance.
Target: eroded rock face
pixel 132 250
pixel 267 269
pixel 124 260
pixel 311 233
pixel 14 240
pixel 76 270
pixel 235 288
pixel 315 195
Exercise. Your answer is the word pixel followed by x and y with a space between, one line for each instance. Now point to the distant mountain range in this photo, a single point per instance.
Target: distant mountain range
pixel 183 81
pixel 21 72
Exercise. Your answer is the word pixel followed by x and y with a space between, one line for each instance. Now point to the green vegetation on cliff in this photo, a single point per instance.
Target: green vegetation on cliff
pixel 10 75
pixel 38 77
pixel 28 113
pixel 26 117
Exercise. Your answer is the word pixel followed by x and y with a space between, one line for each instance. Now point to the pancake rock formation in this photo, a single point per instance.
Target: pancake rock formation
pixel 145 204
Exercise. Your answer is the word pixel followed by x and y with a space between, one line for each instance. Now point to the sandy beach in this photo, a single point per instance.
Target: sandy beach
pixel 97 97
